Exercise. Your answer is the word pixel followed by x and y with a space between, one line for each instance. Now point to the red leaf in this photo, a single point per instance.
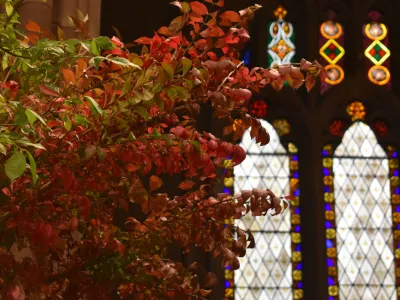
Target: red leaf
pixel 143 40
pixel 155 183
pixel 47 90
pixel 231 16
pixel 220 3
pixel 195 17
pixel 199 8
pixel 186 185
pixel 32 26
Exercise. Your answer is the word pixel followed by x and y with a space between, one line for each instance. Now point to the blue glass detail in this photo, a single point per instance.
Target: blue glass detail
pixel 328 225
pixel 395 154
pixel 297 211
pixel 299 266
pixel 227 190
pixel 327 206
pixel 325 153
pixel 327 172
pixel 228 268
pixel 326 189
pixel 396 173
pixel 227 284
pixel 300 285
pixel 246 58
pixel 329 244
pixel 298 248
pixel 331 281
pixel 331 298
pixel 398 227
pixel 296 193
pixel 295 157
pixel 397 191
pixel 330 262
pixel 297 229
pixel 398 208
pixel 296 175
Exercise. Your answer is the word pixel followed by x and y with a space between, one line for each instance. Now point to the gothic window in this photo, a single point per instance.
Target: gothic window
pixel 272 270
pixel 361 190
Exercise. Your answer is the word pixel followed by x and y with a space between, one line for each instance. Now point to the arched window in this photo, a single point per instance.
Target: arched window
pixel 361 182
pixel 273 269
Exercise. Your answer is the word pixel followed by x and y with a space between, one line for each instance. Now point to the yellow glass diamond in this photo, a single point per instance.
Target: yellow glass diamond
pixel 377 52
pixel 332 51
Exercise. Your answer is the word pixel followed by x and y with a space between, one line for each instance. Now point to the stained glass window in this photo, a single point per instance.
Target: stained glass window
pixel 358 212
pixel 332 51
pixel 377 51
pixel 272 270
pixel 281 48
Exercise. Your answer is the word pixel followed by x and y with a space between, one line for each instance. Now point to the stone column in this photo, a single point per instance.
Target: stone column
pixel 38 11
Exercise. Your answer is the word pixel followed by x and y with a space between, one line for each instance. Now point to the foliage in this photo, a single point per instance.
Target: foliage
pixel 89 129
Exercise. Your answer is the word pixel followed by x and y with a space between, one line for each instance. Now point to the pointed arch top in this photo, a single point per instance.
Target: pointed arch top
pixel 274 146
pixel 360 141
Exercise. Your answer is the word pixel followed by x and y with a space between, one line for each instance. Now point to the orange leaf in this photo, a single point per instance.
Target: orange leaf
pixel 186 185
pixel 69 76
pixel 220 3
pixel 231 16
pixel 155 183
pixel 195 17
pixel 131 167
pixel 32 26
pixel 199 8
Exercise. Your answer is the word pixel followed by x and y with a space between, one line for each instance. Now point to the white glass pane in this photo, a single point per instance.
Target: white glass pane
pixel 266 271
pixel 363 217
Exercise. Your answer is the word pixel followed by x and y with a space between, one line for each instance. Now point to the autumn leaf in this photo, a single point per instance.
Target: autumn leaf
pixel 48 90
pixel 32 26
pixel 199 8
pixel 69 76
pixel 230 16
pixel 186 185
pixel 155 183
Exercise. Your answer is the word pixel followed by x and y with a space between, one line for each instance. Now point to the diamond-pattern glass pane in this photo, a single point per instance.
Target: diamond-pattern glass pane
pixel 363 213
pixel 266 271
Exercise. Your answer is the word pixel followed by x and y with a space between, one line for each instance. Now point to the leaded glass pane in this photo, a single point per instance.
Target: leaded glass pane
pixel 266 271
pixel 363 217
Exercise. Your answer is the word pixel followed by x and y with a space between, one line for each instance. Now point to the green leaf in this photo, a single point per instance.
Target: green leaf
pixel 122 62
pixel 95 61
pixel 27 143
pixel 186 65
pixel 67 122
pixel 101 153
pixel 3 149
pixel 32 164
pixel 94 106
pixel 142 112
pixel 81 120
pixel 9 8
pixel 104 43
pixel 15 166
pixel 21 118
pixel 95 48
pixel 33 116
pixel 168 69
pixel 182 92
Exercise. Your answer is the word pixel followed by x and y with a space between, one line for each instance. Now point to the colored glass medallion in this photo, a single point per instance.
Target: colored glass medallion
pixel 281 48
